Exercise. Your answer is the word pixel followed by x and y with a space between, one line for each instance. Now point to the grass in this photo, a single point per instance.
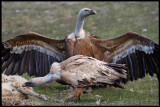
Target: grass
pixel 57 19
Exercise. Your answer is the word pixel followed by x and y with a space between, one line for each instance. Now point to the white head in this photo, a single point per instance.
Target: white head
pixel 79 32
pixel 86 12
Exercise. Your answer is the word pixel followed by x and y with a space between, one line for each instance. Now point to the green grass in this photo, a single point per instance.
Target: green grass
pixel 61 20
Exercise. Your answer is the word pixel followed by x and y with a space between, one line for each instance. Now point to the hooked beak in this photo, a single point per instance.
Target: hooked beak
pixel 93 12
pixel 29 84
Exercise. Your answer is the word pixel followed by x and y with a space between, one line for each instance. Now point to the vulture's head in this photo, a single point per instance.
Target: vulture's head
pixel 54 74
pixel 86 12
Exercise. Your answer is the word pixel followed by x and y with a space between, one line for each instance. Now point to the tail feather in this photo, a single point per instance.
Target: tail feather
pixel 117 66
pixel 121 69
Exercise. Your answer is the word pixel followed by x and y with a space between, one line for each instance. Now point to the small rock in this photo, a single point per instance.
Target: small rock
pixel 152 12
pixel 151 91
pixel 46 11
pixel 98 101
pixel 131 90
pixel 17 11
pixel 119 19
pixel 144 30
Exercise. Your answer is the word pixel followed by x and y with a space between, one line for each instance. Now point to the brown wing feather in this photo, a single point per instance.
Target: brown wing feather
pixel 30 45
pixel 139 53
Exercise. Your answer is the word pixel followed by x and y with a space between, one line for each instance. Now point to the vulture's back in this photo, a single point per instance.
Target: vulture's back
pixel 83 71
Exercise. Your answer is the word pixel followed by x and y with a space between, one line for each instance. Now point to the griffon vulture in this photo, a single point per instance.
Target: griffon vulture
pixel 33 53
pixel 82 71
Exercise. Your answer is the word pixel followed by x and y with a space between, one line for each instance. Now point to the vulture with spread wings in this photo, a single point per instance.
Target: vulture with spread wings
pixel 33 53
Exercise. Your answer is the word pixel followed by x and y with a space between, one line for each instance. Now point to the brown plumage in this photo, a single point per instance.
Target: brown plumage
pixel 33 53
pixel 82 71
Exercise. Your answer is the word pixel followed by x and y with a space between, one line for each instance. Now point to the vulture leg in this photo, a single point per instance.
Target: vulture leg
pixel 86 90
pixel 77 92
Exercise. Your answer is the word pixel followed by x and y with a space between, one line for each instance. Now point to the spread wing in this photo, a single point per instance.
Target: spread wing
pixel 31 53
pixel 139 53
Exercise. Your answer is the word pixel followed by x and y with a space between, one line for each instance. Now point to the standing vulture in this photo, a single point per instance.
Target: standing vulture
pixel 81 71
pixel 33 53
